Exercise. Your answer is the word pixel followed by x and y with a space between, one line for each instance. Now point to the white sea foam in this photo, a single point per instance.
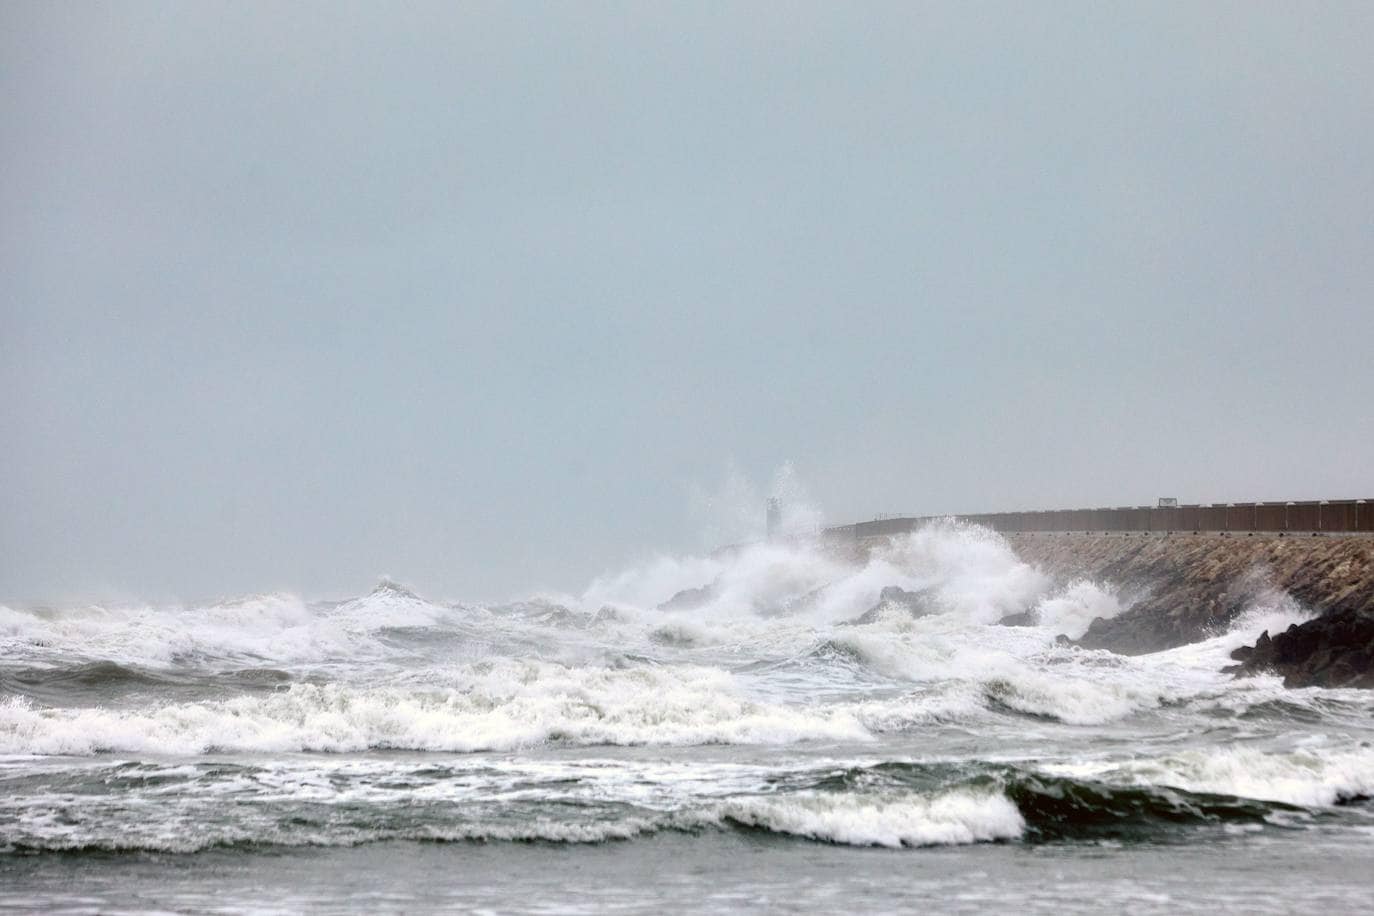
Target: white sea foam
pixel 768 599
pixel 778 615
pixel 1013 668
pixel 769 653
pixel 1072 609
pixel 1310 777
pixel 510 705
pixel 48 833
pixel 1072 700
pixel 258 626
pixel 502 706
pixel 967 571
pixel 949 818
pixel 956 817
pixel 974 573
pixel 275 628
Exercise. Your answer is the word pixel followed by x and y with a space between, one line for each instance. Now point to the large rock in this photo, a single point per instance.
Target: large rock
pixel 689 599
pixel 1333 650
pixel 922 603
pixel 1028 618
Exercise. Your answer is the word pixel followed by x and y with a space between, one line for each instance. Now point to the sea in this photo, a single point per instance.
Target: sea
pixel 737 731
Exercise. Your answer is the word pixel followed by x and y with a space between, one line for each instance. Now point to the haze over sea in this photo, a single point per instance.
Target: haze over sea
pixel 762 748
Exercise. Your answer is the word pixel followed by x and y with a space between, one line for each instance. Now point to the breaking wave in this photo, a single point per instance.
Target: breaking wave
pixel 942 644
pixel 1313 777
pixel 502 707
pixel 507 704
pixel 893 805
pixel 956 817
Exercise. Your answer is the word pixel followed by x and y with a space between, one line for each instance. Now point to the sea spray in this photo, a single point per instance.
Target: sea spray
pixel 769 692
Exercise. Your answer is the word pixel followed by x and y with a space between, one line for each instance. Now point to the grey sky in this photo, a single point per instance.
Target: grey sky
pixel 478 296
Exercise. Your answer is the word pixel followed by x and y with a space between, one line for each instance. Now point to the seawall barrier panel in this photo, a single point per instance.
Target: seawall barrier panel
pixel 1337 516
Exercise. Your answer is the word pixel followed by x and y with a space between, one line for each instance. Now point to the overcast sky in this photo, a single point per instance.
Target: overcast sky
pixel 486 296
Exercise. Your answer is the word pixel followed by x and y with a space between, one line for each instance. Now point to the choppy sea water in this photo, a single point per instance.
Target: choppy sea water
pixel 758 750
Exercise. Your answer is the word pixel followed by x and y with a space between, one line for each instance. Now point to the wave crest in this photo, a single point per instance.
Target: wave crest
pixel 951 818
pixel 502 707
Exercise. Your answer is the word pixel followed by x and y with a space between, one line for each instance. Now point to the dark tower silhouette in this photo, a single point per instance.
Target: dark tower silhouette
pixel 774 517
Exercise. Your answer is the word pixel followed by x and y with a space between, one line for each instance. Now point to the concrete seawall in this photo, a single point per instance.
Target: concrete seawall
pixel 1328 516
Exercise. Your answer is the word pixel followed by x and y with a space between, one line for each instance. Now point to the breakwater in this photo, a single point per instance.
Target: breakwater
pixel 1185 572
pixel 1186 587
pixel 1335 516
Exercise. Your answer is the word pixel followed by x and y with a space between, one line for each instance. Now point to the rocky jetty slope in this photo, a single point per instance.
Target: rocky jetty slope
pixel 1182 587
